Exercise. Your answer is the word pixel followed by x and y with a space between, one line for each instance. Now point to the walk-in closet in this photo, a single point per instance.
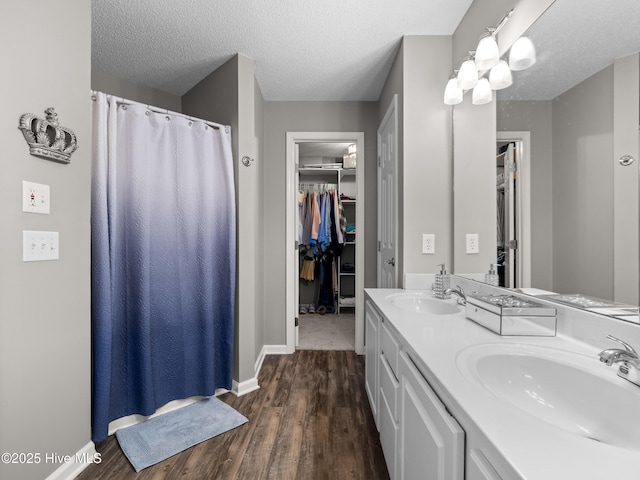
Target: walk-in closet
pixel 327 239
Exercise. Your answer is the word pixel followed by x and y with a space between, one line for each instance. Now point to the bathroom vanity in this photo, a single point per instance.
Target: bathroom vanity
pixel 454 400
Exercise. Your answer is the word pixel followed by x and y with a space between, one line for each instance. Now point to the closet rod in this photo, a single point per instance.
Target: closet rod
pixel 323 186
pixel 125 101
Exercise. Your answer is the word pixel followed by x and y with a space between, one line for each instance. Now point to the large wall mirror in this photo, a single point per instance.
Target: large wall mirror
pixel 578 108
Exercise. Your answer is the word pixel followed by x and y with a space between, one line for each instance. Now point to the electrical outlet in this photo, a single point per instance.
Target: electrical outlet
pixel 35 198
pixel 473 244
pixel 428 243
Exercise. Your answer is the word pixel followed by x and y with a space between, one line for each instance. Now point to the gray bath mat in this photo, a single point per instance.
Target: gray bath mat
pixel 161 437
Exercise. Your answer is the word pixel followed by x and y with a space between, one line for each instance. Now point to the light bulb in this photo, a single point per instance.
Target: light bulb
pixel 522 54
pixel 452 93
pixel 500 76
pixel 487 53
pixel 482 92
pixel 468 75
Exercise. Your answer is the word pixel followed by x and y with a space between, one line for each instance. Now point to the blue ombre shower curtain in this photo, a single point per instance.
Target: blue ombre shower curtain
pixel 163 260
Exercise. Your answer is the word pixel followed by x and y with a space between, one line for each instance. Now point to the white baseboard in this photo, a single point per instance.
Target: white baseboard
pixel 275 350
pixel 70 469
pixel 242 388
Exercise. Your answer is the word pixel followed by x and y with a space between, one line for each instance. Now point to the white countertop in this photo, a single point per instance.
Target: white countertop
pixel 533 448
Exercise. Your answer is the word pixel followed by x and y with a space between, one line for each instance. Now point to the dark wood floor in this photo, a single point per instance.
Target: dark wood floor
pixel 309 420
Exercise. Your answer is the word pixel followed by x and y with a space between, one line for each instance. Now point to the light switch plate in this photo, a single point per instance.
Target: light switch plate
pixel 40 246
pixel 35 198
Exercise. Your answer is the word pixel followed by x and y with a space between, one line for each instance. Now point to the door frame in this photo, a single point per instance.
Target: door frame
pixel 293 138
pixel 522 139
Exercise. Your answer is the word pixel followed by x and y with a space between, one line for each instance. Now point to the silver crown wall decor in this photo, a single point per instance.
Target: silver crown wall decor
pixel 46 138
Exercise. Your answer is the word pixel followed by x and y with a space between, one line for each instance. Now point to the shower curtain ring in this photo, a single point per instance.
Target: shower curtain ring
pixel 247 161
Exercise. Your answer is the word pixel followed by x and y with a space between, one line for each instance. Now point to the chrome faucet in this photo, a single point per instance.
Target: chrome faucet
pixel 627 357
pixel 462 298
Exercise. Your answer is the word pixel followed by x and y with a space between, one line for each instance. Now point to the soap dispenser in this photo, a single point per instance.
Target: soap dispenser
pixel 442 283
pixel 491 278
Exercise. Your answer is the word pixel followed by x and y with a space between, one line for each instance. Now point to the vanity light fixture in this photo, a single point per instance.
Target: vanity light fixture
pixel 483 71
pixel 468 73
pixel 482 92
pixel 487 53
pixel 452 93
pixel 522 54
pixel 500 76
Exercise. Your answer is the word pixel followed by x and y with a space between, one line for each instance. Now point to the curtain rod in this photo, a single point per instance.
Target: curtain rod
pixel 125 101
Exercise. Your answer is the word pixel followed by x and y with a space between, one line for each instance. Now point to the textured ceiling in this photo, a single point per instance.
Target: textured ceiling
pixel 575 39
pixel 303 50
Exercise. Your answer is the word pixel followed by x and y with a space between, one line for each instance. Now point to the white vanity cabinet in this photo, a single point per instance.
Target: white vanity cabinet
pixel 479 468
pixel 372 349
pixel 389 392
pixel 419 438
pixel 431 443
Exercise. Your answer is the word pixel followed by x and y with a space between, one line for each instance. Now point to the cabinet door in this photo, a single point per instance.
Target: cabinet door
pixel 388 435
pixel 431 441
pixel 479 468
pixel 372 383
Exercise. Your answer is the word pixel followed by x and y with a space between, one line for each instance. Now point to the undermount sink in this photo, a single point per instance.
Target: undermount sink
pixel 421 302
pixel 568 390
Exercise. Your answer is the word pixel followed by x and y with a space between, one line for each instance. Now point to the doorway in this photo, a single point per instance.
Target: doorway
pixel 312 167
pixel 513 209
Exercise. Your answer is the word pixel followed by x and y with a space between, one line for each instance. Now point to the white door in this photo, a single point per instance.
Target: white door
pixel 296 242
pixel 510 221
pixel 387 198
pixel 520 205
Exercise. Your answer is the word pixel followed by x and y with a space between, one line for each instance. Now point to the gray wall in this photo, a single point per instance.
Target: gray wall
pixel 535 117
pixel 626 207
pixel 106 83
pixel 260 314
pixel 583 188
pixel 45 346
pixel 427 152
pixel 474 184
pixel 282 117
pixel 227 96
pixel 419 71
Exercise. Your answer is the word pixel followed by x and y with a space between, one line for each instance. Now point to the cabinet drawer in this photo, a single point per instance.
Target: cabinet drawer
pixel 389 385
pixel 390 346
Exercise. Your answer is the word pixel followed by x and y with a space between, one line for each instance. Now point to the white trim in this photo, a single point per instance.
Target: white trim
pixel 523 189
pixel 73 468
pixel 290 311
pixel 245 387
pixel 268 350
pixel 274 350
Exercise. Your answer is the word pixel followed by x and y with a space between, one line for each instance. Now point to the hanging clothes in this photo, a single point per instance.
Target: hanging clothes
pixel 322 226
